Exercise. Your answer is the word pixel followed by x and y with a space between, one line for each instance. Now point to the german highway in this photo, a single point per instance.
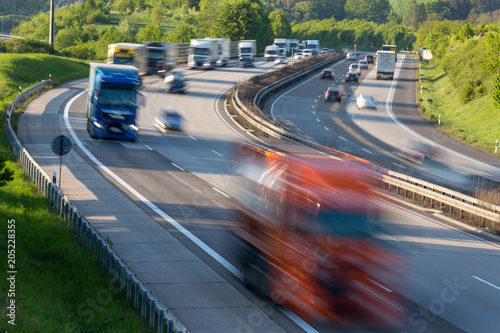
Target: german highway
pixel 170 201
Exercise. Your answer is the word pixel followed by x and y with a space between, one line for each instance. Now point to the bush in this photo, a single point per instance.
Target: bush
pixel 28 46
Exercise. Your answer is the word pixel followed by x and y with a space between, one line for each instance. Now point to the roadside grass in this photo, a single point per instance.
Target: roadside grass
pixel 140 20
pixel 59 284
pixel 26 70
pixel 476 123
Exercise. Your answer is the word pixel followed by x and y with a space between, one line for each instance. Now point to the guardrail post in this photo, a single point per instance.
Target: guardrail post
pixel 170 327
pixel 144 303
pixel 104 256
pixel 136 294
pixel 110 262
pixel 122 275
pixel 160 321
pixel 129 286
pixel 152 312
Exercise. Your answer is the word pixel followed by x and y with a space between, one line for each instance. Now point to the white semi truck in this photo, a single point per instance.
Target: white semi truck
pixel 247 49
pixel 283 43
pixel 271 52
pixel 203 53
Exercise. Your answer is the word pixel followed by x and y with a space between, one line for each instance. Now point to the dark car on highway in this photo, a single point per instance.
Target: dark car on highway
pixel 351 76
pixel 327 73
pixel 370 58
pixel 333 94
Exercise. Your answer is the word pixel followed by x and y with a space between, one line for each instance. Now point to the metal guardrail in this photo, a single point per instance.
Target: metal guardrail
pixel 137 291
pixel 426 190
pixel 9 37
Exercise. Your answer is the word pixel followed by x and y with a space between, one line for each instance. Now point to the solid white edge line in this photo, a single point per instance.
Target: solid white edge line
pixel 178 167
pixel 388 109
pixel 486 282
pixel 219 191
pixel 140 197
pixel 399 165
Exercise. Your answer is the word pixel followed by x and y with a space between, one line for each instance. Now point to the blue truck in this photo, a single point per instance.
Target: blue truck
pixel 112 101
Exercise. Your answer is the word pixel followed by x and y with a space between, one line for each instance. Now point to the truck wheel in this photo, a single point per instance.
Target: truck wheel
pixel 255 272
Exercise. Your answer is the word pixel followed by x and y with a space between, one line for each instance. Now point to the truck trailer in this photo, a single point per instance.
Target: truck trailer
pixel 112 101
pixel 203 53
pixel 224 50
pixel 386 61
pixel 294 46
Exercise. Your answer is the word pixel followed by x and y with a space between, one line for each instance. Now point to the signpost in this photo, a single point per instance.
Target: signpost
pixel 61 145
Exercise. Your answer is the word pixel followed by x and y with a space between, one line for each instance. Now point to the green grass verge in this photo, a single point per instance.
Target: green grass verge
pixel 396 4
pixel 26 70
pixel 59 285
pixel 476 123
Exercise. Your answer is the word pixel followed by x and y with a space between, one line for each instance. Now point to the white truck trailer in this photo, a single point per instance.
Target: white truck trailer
pixel 386 61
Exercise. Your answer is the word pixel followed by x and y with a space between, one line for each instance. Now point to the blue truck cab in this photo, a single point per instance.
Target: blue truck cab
pixel 112 101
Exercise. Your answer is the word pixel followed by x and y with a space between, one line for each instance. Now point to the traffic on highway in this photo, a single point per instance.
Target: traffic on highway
pixel 287 239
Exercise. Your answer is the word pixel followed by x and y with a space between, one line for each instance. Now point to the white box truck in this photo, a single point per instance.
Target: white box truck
pixel 271 52
pixel 385 64
pixel 223 51
pixel 283 43
pixel 203 53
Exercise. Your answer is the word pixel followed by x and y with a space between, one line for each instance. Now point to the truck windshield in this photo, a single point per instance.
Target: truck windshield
pixel 272 52
pixel 245 50
pixel 282 45
pixel 123 60
pixel 155 54
pixel 118 98
pixel 200 51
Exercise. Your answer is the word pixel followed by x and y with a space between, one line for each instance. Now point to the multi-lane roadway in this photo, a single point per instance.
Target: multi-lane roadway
pixel 182 181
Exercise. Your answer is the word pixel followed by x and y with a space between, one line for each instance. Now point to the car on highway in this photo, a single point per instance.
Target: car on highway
pixel 176 82
pixel 366 101
pixel 307 52
pixel 333 94
pixel 327 73
pixel 355 68
pixel 351 76
pixel 168 119
pixel 351 56
pixel 298 56
pixel 370 58
pixel 363 64
pixel 281 60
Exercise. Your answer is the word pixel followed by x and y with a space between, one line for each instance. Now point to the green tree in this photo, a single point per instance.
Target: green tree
pixel 466 31
pixel 125 27
pixel 279 23
pixel 243 19
pixel 157 13
pixel 151 32
pixel 183 33
pixel 124 6
pixel 414 14
pixel 496 91
pixel 371 10
pixel 6 174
